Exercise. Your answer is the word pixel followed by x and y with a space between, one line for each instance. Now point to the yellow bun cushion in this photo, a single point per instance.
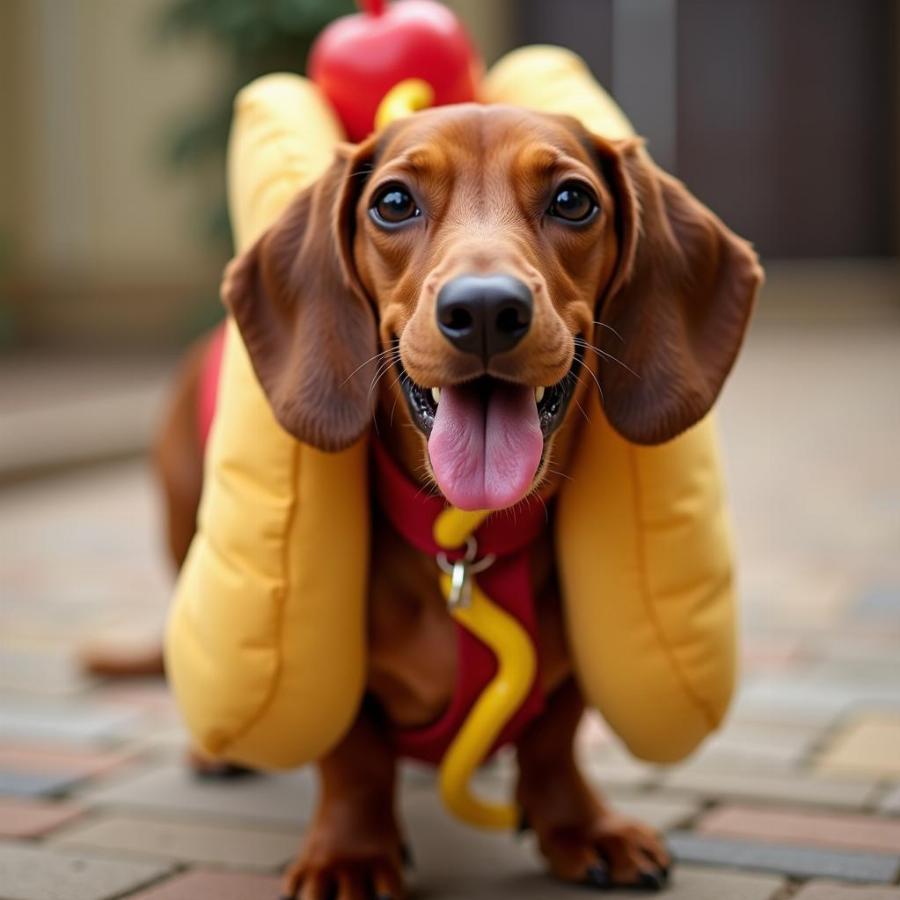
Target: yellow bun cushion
pixel 265 646
pixel 642 533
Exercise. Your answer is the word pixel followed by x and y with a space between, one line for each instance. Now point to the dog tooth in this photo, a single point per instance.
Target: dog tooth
pixel 538 394
pixel 436 394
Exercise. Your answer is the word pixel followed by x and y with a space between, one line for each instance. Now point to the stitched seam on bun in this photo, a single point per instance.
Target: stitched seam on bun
pixel 282 594
pixel 647 595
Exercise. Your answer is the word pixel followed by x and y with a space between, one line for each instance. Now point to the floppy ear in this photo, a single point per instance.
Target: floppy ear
pixel 307 324
pixel 677 306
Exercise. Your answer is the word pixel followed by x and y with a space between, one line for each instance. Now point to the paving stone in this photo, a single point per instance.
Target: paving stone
pixel 31 818
pixel 49 758
pixel 30 872
pixel 612 765
pixel 869 745
pixel 661 812
pixel 794 861
pixel 173 788
pixel 745 745
pixel 769 652
pixel 170 739
pixel 878 670
pixel 40 671
pixel 71 723
pixel 843 646
pixel 148 694
pixel 852 832
pixel 812 699
pixel 890 803
pixel 778 787
pixel 879 603
pixel 254 847
pixel 209 885
pixel 830 890
pixel 35 784
pixel 593 732
pixel 456 862
pixel 753 742
pixel 729 756
pixel 688 883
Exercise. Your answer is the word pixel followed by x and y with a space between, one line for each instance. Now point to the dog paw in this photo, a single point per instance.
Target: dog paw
pixel 609 851
pixel 328 870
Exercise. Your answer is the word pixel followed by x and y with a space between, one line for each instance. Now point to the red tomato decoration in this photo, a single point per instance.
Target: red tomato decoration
pixel 357 59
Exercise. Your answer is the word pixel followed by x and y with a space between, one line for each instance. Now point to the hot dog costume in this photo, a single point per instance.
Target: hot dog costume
pixel 266 647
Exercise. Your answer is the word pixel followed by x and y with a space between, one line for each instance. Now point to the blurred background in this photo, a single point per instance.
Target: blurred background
pixel 782 115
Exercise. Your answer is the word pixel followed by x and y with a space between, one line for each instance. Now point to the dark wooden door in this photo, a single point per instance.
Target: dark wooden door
pixel 787 110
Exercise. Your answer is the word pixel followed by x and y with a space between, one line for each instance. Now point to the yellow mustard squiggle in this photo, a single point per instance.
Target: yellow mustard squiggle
pixel 498 702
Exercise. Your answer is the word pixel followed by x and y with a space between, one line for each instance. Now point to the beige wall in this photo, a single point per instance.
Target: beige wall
pixel 490 22
pixel 104 236
pixel 897 123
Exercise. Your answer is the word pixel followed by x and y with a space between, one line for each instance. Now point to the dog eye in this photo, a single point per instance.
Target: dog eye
pixel 393 205
pixel 573 203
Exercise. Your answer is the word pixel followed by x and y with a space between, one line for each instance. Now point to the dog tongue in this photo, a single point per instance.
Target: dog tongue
pixel 486 449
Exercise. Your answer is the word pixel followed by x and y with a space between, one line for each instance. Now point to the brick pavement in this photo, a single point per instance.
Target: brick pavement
pixel 798 796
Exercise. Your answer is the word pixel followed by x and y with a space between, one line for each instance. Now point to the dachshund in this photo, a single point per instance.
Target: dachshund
pixel 460 281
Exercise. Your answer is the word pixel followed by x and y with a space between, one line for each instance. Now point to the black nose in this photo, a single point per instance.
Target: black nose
pixel 484 314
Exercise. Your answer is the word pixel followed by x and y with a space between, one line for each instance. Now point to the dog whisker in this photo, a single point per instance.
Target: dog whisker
pixel 581 342
pixel 383 368
pixel 590 372
pixel 393 409
pixel 363 171
pixel 394 405
pixel 587 418
pixel 608 328
pixel 371 359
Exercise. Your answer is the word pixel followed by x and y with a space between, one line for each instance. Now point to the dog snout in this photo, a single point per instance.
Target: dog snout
pixel 484 314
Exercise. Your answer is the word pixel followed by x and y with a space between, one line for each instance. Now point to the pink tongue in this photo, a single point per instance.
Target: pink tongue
pixel 485 455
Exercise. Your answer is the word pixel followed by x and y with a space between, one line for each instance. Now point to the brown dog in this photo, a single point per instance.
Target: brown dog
pixel 464 278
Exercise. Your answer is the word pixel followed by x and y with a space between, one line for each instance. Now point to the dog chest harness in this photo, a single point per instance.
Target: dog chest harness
pixel 501 569
pixel 266 648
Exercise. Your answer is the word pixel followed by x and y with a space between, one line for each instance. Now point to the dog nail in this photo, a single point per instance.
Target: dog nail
pixel 406 856
pixel 523 825
pixel 652 881
pixel 597 876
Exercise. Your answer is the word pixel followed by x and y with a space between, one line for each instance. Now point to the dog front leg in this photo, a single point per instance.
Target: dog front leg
pixel 582 839
pixel 353 849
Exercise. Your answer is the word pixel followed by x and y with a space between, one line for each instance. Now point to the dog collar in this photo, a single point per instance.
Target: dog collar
pixel 412 512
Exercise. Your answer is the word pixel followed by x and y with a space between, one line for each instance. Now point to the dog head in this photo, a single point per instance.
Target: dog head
pixel 492 263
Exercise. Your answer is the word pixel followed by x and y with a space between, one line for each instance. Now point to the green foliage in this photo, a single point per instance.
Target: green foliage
pixel 256 37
